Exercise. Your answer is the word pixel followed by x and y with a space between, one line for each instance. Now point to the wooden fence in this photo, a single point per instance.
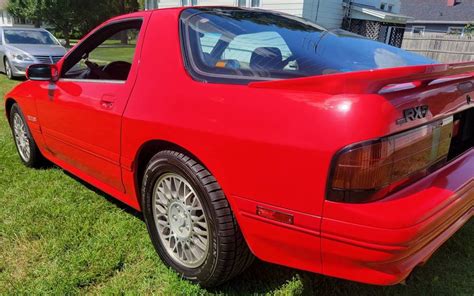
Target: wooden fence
pixel 444 48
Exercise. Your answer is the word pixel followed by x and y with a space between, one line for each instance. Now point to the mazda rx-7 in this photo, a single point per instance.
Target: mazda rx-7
pixel 244 133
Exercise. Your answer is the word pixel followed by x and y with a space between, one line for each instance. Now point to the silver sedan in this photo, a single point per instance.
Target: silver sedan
pixel 21 47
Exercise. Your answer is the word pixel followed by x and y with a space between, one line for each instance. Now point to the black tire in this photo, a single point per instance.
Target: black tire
pixel 8 73
pixel 35 159
pixel 228 253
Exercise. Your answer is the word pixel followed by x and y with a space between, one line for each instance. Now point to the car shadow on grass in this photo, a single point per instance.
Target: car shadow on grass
pixel 448 272
pixel 122 206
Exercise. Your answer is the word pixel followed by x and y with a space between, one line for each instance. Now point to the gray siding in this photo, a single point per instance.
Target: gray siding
pixel 376 3
pixel 168 3
pixel 330 13
pixel 220 2
pixel 287 6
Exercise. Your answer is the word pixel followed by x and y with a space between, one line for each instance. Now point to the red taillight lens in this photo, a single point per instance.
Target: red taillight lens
pixel 371 170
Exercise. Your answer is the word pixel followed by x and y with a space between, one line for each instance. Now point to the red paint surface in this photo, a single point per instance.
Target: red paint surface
pixel 269 144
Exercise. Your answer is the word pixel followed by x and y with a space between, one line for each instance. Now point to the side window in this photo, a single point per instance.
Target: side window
pixel 456 30
pixel 259 51
pixel 119 47
pixel 237 46
pixel 418 30
pixel 106 55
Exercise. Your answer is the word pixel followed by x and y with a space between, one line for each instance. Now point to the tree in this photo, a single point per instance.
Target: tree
pixel 123 7
pixel 469 30
pixel 70 17
pixel 92 13
pixel 64 16
pixel 31 10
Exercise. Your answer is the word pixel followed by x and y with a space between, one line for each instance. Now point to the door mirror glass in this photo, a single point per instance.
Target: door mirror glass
pixel 42 72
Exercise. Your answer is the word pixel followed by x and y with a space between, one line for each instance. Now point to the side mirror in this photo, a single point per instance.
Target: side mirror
pixel 42 72
pixel 63 42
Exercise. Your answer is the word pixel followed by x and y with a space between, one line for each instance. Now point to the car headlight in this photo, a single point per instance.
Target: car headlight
pixel 22 57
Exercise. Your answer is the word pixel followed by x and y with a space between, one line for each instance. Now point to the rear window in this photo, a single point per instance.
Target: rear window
pixel 238 45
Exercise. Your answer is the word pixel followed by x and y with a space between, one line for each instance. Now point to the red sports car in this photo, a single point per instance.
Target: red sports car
pixel 244 132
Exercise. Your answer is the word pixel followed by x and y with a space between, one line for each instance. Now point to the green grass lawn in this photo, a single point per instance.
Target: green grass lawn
pixel 104 55
pixel 60 236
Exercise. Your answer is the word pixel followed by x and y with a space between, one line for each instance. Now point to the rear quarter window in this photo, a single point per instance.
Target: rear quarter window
pixel 230 45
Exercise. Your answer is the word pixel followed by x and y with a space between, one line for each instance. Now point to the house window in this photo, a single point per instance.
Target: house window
pixel 456 31
pixel 418 30
pixel 390 8
pixel 248 3
pixel 383 5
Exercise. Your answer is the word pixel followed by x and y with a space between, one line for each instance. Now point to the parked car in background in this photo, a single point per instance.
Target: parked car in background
pixel 21 47
pixel 243 132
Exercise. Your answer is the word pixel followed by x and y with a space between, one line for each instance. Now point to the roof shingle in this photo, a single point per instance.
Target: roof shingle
pixel 438 10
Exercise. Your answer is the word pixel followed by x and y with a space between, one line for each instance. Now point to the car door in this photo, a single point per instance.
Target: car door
pixel 81 115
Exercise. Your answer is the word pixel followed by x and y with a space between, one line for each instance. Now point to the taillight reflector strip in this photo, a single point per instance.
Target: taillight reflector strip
pixel 275 215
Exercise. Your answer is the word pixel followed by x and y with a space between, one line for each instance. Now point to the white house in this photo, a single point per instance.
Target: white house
pixel 329 12
pixel 376 19
pixel 5 18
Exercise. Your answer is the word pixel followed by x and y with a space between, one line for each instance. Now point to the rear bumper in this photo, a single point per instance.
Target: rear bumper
pixel 380 243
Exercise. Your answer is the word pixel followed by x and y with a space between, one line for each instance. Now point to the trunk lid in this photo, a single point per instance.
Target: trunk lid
pixel 418 94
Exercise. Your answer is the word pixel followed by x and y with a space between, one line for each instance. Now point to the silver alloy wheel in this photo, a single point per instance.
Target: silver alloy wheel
pixel 180 220
pixel 21 137
pixel 8 69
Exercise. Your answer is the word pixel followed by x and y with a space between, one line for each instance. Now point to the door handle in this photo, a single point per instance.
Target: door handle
pixel 107 102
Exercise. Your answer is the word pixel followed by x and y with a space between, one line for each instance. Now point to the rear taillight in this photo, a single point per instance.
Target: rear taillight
pixel 370 171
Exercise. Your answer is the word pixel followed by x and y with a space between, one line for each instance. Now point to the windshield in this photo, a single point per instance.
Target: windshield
pixel 257 45
pixel 29 37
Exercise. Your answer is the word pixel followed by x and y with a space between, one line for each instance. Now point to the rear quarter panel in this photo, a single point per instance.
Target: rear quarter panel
pixel 265 147
pixel 270 145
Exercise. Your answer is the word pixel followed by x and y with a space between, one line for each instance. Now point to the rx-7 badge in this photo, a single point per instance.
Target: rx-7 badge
pixel 418 112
